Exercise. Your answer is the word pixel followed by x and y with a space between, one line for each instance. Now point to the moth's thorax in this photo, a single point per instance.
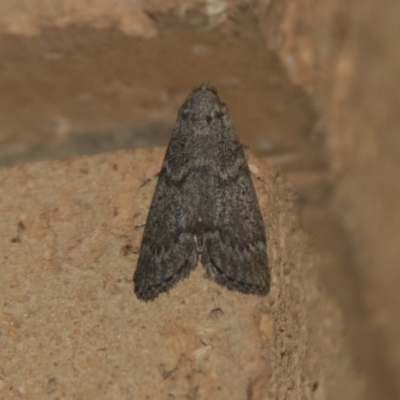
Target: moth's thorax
pixel 203 100
pixel 203 112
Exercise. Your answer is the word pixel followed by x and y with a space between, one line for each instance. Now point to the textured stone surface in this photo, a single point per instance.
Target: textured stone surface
pixel 132 17
pixel 71 326
pixel 346 55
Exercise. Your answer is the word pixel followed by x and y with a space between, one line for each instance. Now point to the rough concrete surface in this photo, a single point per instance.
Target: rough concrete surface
pixel 132 17
pixel 346 55
pixel 71 326
pixel 79 77
pixel 81 90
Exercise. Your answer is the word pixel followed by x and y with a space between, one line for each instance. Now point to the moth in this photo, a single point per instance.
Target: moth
pixel 204 207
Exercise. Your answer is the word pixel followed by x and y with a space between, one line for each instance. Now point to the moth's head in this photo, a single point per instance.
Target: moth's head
pixel 203 107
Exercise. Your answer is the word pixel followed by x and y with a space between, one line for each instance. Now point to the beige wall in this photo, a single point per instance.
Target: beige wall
pixel 347 56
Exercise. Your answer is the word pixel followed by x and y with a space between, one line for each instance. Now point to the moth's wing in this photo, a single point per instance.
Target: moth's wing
pixel 234 251
pixel 168 251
